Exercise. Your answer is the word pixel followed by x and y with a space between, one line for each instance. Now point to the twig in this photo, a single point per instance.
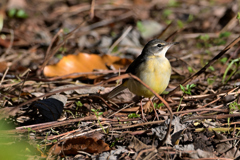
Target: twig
pixel 87 73
pixel 213 117
pixel 119 39
pixel 4 75
pixel 120 110
pixel 92 9
pixel 25 78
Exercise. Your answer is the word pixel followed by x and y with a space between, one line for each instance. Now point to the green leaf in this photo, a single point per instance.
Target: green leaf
pixel 133 115
pixel 190 18
pixel 115 49
pixel 160 105
pixel 66 30
pixel 166 12
pixel 204 37
pixel 59 56
pixel 180 24
pixel 21 14
pixel 212 68
pixel 100 113
pixel 238 16
pixel 210 81
pixel 79 103
pixel 224 34
pixel 12 12
pixel 140 26
pixel 168 21
pixel 224 60
pixel 172 3
pixel 182 88
pixel 192 85
pixel 190 69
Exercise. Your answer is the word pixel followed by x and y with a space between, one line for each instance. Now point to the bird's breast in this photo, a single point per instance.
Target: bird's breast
pixel 155 72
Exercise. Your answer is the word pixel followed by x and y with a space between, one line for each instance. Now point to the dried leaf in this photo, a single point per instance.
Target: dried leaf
pixel 84 62
pixel 86 144
pixel 3 66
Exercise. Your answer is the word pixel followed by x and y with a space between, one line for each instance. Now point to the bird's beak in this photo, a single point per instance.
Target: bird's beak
pixel 170 44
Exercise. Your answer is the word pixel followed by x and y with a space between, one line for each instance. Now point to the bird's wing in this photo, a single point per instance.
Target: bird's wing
pixel 132 67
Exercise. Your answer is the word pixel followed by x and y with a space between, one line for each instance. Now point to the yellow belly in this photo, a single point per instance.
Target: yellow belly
pixel 155 72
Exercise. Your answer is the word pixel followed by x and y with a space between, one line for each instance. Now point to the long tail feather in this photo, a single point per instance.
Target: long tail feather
pixel 116 90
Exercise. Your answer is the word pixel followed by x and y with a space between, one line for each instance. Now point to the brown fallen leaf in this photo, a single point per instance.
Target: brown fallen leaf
pixel 3 66
pixel 86 144
pixel 84 62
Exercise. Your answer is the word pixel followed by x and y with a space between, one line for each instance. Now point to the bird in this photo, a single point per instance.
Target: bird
pixel 152 67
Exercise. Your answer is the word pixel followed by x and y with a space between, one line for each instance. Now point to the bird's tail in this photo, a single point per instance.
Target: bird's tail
pixel 116 90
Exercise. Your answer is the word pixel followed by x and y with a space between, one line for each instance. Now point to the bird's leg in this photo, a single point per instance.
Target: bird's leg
pixel 143 117
pixel 154 109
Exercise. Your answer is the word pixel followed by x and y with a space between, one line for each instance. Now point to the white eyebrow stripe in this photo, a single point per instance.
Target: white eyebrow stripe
pixel 163 44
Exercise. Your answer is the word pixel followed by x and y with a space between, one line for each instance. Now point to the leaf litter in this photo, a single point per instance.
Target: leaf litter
pixel 78 121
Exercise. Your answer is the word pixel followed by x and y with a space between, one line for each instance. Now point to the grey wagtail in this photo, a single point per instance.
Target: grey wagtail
pixel 152 67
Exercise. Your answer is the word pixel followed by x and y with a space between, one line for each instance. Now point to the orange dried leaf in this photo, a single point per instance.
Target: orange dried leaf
pixel 84 62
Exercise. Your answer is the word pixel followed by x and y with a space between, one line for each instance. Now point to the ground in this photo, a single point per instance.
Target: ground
pixel 60 59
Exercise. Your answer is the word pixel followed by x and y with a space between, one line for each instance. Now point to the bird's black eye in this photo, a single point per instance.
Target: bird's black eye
pixel 159 45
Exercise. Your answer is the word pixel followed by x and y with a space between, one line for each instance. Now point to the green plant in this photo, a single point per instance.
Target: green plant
pixel 167 12
pixel 204 37
pixel 114 142
pixel 237 64
pixel 211 68
pixel 133 115
pixel 62 49
pixel 57 132
pixel 173 3
pixel 70 113
pixel 140 26
pixel 186 90
pixel 190 18
pixel 238 16
pixel 29 130
pixel 211 80
pixel 180 24
pixel 158 105
pixel 115 49
pixel 233 107
pixel 221 38
pixel 97 114
pixel 224 34
pixel 66 30
pixel 59 56
pixel 223 60
pixel 18 13
pixel 190 69
pixel 204 43
pixel 79 104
